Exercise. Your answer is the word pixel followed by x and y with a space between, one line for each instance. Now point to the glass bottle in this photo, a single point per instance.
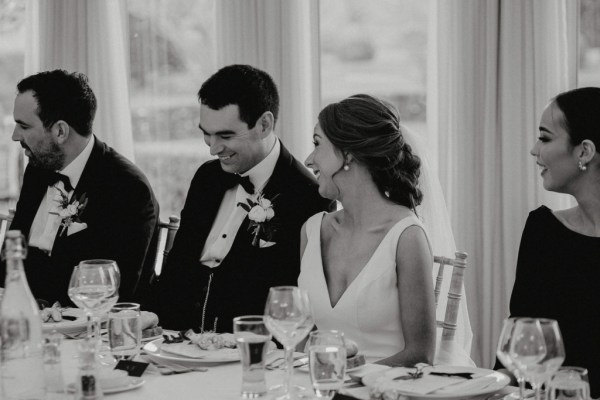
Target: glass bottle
pixel 20 329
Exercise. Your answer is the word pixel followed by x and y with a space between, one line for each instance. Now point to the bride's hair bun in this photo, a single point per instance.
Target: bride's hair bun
pixel 369 129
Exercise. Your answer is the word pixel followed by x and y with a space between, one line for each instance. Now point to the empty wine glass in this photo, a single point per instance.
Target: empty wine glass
pixel 94 287
pixel 288 318
pixel 555 349
pixel 503 354
pixel 327 362
pixel 527 350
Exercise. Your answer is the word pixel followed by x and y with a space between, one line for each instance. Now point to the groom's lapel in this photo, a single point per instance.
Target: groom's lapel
pixel 280 175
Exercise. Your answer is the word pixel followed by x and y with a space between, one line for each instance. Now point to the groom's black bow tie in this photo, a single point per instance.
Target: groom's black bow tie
pixel 54 177
pixel 235 179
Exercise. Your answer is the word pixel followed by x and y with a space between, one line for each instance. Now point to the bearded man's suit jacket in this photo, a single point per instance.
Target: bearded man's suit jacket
pixel 191 294
pixel 121 216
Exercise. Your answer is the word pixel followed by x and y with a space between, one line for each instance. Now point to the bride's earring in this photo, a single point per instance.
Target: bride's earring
pixel 582 166
pixel 346 167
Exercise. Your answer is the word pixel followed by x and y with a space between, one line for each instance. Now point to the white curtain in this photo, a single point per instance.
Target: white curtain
pixel 494 65
pixel 281 38
pixel 91 37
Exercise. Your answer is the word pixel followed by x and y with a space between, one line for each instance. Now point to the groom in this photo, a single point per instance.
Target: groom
pixel 80 198
pixel 240 225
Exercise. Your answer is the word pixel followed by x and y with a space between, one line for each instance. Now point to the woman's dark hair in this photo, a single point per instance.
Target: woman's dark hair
pixel 581 108
pixel 369 129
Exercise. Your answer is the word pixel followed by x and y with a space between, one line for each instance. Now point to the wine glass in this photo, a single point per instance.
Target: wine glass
pixel 528 349
pixel 327 362
pixel 503 354
pixel 94 287
pixel 555 350
pixel 288 318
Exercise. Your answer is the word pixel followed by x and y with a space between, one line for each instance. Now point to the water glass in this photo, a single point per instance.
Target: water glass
pixel 528 350
pixel 569 383
pixel 252 337
pixel 503 354
pixel 124 330
pixel 327 362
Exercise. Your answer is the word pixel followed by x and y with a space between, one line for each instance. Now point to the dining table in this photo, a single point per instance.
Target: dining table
pixel 216 381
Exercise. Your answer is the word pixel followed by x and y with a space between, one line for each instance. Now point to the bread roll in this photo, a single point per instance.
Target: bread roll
pixel 351 348
pixel 149 320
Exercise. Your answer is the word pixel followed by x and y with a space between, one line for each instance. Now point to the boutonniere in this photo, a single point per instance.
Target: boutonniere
pixel 69 211
pixel 260 214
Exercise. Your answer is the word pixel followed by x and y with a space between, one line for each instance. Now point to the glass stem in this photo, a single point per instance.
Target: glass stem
pixel 289 369
pixel 521 382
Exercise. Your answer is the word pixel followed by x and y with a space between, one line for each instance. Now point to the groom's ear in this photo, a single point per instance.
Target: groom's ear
pixel 265 123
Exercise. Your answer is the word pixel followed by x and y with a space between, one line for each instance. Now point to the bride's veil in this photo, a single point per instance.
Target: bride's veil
pixel 435 217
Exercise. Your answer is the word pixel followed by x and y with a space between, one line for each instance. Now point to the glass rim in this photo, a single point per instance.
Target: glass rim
pixel 96 261
pixel 332 332
pixel 126 306
pixel 249 319
pixel 284 288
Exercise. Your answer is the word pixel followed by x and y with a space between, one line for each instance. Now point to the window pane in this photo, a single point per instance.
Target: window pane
pixel 172 52
pixel 377 47
pixel 589 43
pixel 12 55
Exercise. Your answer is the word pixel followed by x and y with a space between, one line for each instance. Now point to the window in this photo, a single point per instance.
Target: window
pixel 589 43
pixel 172 52
pixel 377 47
pixel 12 56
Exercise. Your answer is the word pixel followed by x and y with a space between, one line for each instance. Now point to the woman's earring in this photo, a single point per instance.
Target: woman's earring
pixel 582 166
pixel 346 167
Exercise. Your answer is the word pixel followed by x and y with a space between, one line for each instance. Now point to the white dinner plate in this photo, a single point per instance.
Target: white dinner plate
pixel 68 327
pixel 132 383
pixel 104 336
pixel 154 352
pixel 486 381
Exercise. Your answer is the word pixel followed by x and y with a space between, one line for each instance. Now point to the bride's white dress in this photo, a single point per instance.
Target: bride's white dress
pixel 368 311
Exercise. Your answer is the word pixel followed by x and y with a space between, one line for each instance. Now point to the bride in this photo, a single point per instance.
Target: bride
pixel 367 267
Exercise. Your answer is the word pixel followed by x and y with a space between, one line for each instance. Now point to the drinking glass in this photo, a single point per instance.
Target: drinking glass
pixel 124 330
pixel 288 317
pixel 569 383
pixel 94 287
pixel 503 354
pixel 528 349
pixel 252 337
pixel 555 350
pixel 327 362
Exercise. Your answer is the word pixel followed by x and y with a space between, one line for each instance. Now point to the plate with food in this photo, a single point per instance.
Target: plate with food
pixel 194 348
pixel 63 320
pixel 434 382
pixel 354 360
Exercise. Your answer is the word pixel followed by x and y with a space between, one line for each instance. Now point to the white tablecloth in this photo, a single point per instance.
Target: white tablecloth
pixel 220 382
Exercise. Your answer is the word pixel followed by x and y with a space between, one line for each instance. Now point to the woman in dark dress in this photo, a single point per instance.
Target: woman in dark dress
pixel 558 269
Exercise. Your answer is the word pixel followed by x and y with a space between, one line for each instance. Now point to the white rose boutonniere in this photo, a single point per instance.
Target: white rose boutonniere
pixel 69 211
pixel 260 214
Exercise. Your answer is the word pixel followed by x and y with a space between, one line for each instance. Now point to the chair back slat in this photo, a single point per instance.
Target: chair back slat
pixel 168 229
pixel 455 292
pixel 5 220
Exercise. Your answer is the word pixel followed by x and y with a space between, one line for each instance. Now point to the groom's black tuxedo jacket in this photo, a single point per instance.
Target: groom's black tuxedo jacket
pixel 189 290
pixel 121 217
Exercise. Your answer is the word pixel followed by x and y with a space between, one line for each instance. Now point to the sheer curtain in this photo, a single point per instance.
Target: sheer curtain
pixel 495 64
pixel 87 36
pixel 281 38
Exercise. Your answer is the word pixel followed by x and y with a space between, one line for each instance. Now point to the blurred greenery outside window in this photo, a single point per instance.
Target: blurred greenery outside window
pixel 172 51
pixel 378 47
pixel 589 43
